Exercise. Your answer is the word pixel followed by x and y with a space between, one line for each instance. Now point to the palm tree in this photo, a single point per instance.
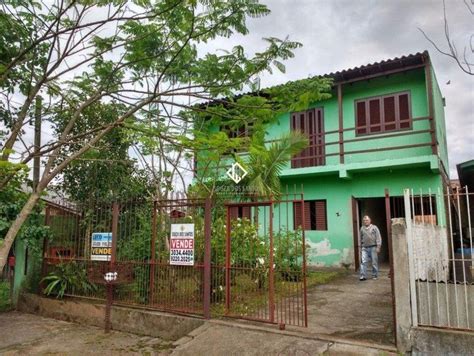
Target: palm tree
pixel 265 163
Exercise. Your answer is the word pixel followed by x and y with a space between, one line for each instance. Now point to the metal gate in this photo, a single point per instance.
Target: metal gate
pixel 248 257
pixel 265 265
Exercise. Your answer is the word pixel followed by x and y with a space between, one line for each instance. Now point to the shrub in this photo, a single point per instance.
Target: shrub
pixel 68 276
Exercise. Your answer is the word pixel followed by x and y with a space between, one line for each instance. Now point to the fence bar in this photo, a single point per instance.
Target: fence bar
pixel 414 309
pixel 453 258
pixel 271 284
pixel 207 259
pixel 388 214
pixel 305 294
pixel 227 262
pixel 462 258
pixel 153 253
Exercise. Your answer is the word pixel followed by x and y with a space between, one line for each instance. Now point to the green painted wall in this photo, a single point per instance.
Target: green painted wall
pixel 438 106
pixel 25 279
pixel 366 175
pixel 335 246
pixel 413 81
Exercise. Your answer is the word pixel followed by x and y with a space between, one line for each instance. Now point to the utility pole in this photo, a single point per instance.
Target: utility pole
pixel 36 160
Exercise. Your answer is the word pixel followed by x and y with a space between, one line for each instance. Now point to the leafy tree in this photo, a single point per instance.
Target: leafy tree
pixel 138 63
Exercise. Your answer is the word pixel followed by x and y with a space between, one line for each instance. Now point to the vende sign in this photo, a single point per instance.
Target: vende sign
pixel 101 246
pixel 182 244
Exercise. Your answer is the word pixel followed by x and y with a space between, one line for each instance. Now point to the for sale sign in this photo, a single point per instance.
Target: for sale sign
pixel 101 246
pixel 182 244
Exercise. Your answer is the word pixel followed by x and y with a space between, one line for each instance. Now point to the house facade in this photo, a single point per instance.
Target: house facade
pixel 382 130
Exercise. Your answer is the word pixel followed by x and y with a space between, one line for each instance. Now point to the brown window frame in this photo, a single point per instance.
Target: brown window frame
pixel 382 123
pixel 315 154
pixel 312 216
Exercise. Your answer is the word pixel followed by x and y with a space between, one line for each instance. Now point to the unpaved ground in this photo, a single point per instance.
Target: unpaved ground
pixel 352 309
pixel 26 334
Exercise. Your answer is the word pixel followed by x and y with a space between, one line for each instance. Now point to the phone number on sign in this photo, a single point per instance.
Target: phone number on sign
pixel 182 252
pixel 182 258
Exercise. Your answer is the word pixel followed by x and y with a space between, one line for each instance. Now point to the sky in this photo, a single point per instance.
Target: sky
pixel 340 34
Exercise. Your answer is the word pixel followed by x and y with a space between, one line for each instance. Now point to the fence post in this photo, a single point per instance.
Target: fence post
pixel 207 259
pixel 47 221
pixel 271 277
pixel 153 254
pixel 411 259
pixel 388 216
pixel 227 262
pixel 109 286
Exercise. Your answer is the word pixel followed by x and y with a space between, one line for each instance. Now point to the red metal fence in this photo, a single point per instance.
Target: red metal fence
pixel 248 259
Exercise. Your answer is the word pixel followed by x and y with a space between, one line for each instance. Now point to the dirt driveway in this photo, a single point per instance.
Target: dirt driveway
pixel 352 309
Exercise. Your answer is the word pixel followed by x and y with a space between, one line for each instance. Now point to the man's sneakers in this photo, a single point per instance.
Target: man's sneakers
pixel 362 279
pixel 374 278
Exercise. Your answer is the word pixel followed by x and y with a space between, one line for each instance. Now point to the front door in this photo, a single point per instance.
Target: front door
pixel 355 229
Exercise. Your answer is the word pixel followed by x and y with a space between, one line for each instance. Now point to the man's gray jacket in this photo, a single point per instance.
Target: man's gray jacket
pixel 370 236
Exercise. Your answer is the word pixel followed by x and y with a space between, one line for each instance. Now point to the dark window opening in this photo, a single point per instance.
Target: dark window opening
pixel 315 215
pixel 382 114
pixel 422 209
pixel 239 132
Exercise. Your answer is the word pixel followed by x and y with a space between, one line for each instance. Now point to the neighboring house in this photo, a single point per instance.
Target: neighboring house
pixel 383 129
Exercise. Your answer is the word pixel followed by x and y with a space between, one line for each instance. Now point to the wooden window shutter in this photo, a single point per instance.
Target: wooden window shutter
pixel 404 109
pixel 296 215
pixel 246 212
pixel 321 216
pixel 307 215
pixel 374 110
pixel 361 117
pixel 389 113
pixel 234 212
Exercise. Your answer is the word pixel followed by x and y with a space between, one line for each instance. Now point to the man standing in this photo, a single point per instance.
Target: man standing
pixel 371 242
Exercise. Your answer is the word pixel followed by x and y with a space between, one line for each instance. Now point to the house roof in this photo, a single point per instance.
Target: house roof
pixel 380 68
pixel 367 71
pixel 466 174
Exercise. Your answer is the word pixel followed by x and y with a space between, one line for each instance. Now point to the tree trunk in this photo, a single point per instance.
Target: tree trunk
pixel 15 228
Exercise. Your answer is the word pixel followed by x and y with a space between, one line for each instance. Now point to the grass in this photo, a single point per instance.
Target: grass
pixel 248 302
pixel 5 301
pixel 315 278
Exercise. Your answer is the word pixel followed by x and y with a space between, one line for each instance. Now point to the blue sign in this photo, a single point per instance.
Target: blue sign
pixel 101 246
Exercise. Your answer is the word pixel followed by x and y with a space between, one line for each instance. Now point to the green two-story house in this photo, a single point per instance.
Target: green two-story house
pixel 382 130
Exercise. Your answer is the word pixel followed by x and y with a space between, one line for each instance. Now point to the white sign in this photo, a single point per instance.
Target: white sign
pixel 236 172
pixel 101 246
pixel 182 245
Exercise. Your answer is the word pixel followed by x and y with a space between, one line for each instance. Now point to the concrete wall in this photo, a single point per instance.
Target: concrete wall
pixel 424 340
pixel 138 321
pixel 428 341
pixel 450 305
pixel 335 246
pixel 430 250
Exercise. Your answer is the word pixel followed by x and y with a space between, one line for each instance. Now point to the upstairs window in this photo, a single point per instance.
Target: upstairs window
pixel 311 124
pixel 315 216
pixel 383 113
pixel 240 132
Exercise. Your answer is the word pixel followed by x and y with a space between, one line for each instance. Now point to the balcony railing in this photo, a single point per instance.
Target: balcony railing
pixel 316 153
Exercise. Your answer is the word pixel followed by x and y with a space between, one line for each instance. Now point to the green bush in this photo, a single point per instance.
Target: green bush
pixel 5 300
pixel 67 276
